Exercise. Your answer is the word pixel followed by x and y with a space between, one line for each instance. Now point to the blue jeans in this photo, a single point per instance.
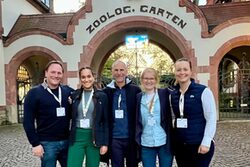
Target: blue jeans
pixel 148 155
pixel 53 151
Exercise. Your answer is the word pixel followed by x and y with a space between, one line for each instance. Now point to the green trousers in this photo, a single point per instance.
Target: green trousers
pixel 83 147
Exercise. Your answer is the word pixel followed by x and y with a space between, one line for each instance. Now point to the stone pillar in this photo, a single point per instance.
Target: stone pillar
pixel 11 112
pixel 3 118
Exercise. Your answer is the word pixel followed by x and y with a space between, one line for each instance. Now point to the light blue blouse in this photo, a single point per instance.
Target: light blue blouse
pixel 153 135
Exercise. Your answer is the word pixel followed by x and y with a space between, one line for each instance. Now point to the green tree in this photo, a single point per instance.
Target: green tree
pixel 137 59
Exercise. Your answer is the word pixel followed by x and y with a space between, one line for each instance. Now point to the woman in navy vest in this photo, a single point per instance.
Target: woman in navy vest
pixel 153 122
pixel 194 110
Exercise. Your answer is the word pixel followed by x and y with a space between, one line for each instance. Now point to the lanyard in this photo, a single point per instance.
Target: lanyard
pixel 151 104
pixel 181 105
pixel 85 107
pixel 59 98
pixel 119 101
pixel 181 101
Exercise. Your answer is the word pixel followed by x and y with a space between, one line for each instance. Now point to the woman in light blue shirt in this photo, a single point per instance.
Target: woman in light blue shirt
pixel 153 122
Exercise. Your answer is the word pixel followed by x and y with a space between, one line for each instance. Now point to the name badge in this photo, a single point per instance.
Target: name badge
pixel 84 123
pixel 60 112
pixel 151 121
pixel 119 114
pixel 182 123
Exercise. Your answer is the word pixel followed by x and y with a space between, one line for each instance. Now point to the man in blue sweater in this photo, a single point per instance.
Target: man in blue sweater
pixel 47 116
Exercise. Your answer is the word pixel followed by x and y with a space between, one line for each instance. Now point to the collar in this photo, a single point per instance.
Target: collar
pixel 113 85
pixel 45 84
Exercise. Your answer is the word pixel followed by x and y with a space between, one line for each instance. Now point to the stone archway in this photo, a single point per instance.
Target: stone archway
pixel 96 52
pixel 216 59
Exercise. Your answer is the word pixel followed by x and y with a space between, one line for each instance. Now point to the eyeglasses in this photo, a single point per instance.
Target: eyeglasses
pixel 148 79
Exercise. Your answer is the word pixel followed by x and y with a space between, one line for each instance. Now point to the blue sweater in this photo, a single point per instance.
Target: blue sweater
pixel 40 108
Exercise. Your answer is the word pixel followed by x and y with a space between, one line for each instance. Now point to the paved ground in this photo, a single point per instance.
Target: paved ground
pixel 232 146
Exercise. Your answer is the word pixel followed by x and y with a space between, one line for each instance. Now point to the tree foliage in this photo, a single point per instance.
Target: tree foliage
pixel 137 59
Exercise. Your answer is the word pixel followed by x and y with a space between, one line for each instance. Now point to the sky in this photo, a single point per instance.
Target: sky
pixel 63 6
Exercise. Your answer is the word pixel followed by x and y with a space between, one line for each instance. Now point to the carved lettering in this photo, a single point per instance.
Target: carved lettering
pixel 143 9
pixel 118 11
pixel 169 14
pixel 103 18
pixel 107 16
pixel 90 29
pixel 182 24
pixel 160 12
pixel 126 9
pixel 152 10
pixel 175 19
pixel 110 16
pixel 96 23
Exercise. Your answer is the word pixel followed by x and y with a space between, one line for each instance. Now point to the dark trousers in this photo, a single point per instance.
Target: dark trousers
pixel 122 149
pixel 187 155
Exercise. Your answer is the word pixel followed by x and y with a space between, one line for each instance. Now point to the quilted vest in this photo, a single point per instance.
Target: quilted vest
pixel 193 111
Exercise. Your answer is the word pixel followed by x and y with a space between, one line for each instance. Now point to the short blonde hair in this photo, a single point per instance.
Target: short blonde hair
pixel 150 70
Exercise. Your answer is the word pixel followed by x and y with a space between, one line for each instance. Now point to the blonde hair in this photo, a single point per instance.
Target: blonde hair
pixel 186 60
pixel 150 70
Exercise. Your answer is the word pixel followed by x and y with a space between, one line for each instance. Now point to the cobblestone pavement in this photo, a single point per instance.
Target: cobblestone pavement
pixel 232 146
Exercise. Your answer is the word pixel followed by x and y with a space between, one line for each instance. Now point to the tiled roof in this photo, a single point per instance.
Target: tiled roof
pixel 219 13
pixel 56 23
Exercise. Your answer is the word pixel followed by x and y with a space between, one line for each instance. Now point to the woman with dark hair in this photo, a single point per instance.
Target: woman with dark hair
pixel 195 118
pixel 89 129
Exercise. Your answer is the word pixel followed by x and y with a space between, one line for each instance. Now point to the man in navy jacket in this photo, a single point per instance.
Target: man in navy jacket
pixel 122 101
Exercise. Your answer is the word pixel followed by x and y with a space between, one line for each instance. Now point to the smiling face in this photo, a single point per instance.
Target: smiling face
pixel 183 71
pixel 119 73
pixel 54 75
pixel 149 80
pixel 87 79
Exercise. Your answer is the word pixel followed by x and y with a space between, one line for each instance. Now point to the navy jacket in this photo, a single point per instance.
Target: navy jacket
pixel 131 92
pixel 100 117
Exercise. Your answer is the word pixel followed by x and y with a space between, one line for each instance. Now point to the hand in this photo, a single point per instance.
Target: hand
pixel 38 151
pixel 69 100
pixel 203 149
pixel 103 150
